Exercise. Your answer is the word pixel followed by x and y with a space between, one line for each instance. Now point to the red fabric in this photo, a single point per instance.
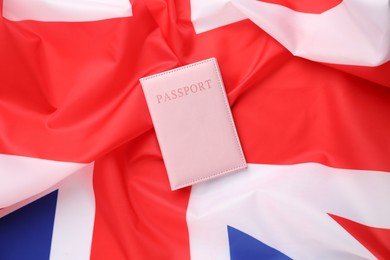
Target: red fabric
pixel 137 216
pixel 376 240
pixel 286 109
pixel 68 88
pixel 70 91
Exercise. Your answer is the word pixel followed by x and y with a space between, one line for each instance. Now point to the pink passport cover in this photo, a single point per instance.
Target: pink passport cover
pixel 193 123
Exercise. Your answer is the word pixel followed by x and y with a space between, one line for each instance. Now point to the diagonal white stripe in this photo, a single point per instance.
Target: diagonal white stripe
pixel 24 177
pixel 287 208
pixel 355 32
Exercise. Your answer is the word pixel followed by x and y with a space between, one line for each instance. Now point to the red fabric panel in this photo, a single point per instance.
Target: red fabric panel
pixel 137 215
pixel 376 240
pixel 70 91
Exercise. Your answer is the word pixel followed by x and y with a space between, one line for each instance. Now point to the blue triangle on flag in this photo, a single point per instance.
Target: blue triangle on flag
pixel 245 247
pixel 26 233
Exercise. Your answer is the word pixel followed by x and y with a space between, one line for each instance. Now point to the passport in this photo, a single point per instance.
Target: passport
pixel 193 123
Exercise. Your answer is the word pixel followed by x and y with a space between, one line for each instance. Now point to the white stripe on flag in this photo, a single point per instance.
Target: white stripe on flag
pixel 74 217
pixel 65 10
pixel 355 32
pixel 286 207
pixel 24 177
pixel 207 15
